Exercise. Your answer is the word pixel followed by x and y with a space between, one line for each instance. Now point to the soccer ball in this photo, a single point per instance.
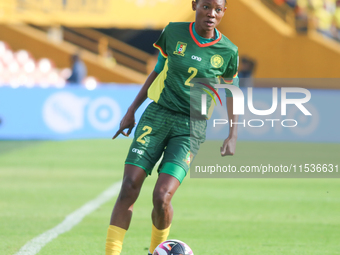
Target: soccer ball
pixel 173 247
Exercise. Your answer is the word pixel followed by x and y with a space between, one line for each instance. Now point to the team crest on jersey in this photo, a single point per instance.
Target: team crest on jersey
pixel 216 61
pixel 188 158
pixel 180 48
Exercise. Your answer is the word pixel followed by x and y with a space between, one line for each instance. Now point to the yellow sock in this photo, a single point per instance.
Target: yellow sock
pixel 158 236
pixel 114 240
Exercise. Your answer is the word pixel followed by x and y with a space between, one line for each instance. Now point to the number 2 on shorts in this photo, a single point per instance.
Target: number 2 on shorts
pixel 148 131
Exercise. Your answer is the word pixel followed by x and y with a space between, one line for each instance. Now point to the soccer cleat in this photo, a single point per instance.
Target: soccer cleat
pixel 149 253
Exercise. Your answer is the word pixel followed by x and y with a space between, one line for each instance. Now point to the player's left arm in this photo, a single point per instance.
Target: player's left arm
pixel 229 144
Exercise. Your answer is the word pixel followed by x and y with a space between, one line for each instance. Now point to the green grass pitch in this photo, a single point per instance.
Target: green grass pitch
pixel 42 182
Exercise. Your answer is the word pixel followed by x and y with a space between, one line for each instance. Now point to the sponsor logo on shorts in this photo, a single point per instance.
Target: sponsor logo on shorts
pixel 140 152
pixel 188 158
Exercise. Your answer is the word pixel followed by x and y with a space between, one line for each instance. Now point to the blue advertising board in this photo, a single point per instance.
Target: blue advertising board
pixel 77 113
pixel 69 113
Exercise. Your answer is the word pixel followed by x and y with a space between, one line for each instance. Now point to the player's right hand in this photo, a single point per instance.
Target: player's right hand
pixel 128 121
pixel 228 147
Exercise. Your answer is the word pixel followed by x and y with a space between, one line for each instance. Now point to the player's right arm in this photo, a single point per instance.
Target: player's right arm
pixel 128 120
pixel 229 144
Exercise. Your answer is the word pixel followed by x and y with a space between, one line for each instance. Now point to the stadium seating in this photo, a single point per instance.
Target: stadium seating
pixel 21 69
pixel 324 15
pixel 259 32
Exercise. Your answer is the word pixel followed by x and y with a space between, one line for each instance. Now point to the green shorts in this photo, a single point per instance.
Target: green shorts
pixel 161 130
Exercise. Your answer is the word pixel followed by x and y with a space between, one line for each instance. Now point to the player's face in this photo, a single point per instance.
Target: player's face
pixel 209 14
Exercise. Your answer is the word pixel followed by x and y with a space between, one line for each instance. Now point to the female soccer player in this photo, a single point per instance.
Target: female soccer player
pixel 187 51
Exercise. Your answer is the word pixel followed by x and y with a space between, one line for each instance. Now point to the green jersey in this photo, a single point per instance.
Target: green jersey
pixel 187 60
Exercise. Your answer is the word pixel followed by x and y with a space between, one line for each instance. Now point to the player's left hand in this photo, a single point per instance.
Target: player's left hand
pixel 229 146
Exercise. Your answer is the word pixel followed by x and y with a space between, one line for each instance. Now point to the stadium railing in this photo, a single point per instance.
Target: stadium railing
pixel 283 11
pixel 108 47
pixel 99 43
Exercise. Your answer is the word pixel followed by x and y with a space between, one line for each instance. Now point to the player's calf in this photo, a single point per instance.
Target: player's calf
pixel 122 212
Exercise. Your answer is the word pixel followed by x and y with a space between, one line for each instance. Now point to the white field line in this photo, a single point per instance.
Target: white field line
pixel 33 246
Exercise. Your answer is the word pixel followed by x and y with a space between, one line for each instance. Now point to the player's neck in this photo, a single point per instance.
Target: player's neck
pixel 203 33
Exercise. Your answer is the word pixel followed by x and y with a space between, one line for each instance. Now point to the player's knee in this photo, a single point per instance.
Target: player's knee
pixel 129 191
pixel 161 200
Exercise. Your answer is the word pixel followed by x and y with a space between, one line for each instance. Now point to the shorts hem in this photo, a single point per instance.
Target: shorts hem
pixel 172 172
pixel 144 168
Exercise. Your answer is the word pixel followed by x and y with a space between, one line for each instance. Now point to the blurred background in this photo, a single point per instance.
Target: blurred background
pixel 70 68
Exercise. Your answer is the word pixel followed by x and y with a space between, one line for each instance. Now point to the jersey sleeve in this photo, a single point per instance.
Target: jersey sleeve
pixel 231 75
pixel 160 44
pixel 160 63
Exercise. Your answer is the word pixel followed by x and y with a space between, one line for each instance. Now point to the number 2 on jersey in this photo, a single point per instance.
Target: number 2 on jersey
pixel 148 131
pixel 193 72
